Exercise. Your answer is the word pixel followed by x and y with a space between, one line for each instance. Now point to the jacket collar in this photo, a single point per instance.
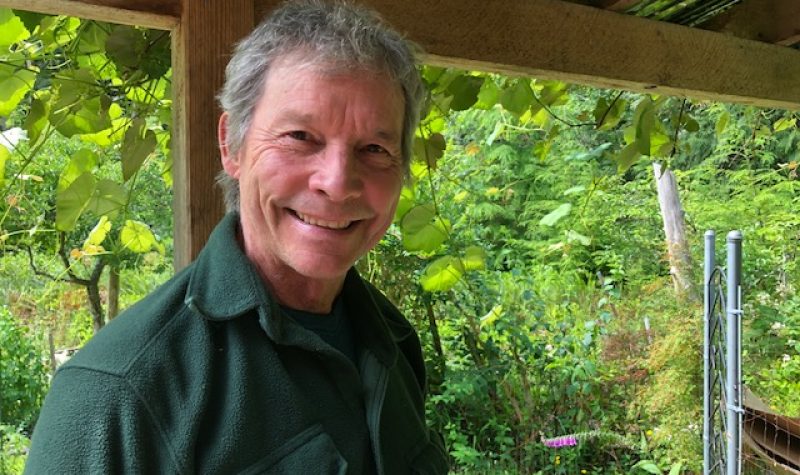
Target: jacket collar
pixel 224 285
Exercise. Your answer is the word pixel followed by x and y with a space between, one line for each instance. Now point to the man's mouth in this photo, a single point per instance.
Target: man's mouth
pixel 335 225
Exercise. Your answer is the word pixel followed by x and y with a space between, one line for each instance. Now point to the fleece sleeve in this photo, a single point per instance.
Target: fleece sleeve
pixel 93 422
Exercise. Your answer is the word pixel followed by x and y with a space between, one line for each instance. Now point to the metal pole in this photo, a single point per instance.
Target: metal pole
pixel 708 300
pixel 734 376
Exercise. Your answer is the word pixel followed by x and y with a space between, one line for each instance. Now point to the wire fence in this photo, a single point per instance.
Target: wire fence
pixel 741 434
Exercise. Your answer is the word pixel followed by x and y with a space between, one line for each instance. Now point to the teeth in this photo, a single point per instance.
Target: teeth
pixel 322 223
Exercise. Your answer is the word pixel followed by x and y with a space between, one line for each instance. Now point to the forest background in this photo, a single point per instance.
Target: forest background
pixel 528 249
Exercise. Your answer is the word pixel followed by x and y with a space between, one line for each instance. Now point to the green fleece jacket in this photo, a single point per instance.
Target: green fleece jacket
pixel 207 375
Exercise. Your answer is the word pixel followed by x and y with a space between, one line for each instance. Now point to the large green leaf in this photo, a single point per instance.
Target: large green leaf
pixel 109 197
pixel 15 82
pixel 98 234
pixel 113 134
pixel 36 121
pixel 12 30
pixel 72 201
pixel 644 122
pixel 423 231
pixel 626 157
pixel 464 89
pixel 429 150
pixel 137 236
pixel 518 97
pixel 442 274
pixel 488 95
pixel 82 161
pixel 556 215
pixel 88 116
pixel 126 46
pixel 404 203
pixel 138 144
pixel 610 114
pixel 474 258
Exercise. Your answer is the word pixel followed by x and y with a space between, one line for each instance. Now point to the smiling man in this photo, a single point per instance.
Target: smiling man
pixel 270 354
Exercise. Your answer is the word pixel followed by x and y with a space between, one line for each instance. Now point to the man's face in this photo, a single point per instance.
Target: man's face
pixel 320 169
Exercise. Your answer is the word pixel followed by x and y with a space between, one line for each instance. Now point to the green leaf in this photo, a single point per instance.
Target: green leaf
pixel 552 93
pixel 126 46
pixel 4 154
pixel 555 216
pixel 474 258
pixel 404 203
pixel 464 89
pixel 517 98
pixel 488 96
pixel 82 161
pixel 423 231
pixel 610 114
pixel 784 123
pixel 492 316
pixel 36 121
pixel 98 234
pixel 722 122
pixel 644 121
pixel 648 467
pixel 14 84
pixel 430 150
pixel 574 236
pixel 12 30
pixel 109 197
pixel 690 124
pixel 138 144
pixel 137 236
pixel 442 274
pixel 113 134
pixel 676 468
pixel 626 158
pixel 71 202
pixel 574 189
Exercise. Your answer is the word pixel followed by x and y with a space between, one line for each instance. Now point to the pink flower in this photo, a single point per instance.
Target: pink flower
pixel 563 441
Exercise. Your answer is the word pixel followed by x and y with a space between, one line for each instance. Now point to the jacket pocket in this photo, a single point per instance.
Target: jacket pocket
pixel 310 451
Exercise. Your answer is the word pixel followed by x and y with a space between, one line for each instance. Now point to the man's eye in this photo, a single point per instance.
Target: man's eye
pixel 375 148
pixel 299 135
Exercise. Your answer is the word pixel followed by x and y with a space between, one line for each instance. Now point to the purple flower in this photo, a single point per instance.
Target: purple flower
pixel 563 441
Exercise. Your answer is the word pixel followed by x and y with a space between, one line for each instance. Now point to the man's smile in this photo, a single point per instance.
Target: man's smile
pixel 334 225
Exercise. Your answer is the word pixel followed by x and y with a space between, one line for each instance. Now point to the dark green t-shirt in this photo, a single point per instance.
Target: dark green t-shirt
pixel 334 328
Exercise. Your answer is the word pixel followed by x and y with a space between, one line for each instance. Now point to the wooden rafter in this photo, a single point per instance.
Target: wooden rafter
pixel 159 14
pixel 552 39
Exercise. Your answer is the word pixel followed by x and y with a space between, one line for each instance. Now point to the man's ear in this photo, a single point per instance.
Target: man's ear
pixel 230 161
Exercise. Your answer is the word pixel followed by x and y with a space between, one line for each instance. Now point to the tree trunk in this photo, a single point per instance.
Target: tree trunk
pixel 113 292
pixel 680 258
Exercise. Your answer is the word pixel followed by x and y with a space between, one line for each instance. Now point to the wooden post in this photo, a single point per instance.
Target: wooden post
pixel 201 45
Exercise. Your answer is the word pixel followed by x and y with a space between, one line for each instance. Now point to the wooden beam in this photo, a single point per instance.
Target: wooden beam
pixel 201 46
pixel 158 14
pixel 771 21
pixel 552 39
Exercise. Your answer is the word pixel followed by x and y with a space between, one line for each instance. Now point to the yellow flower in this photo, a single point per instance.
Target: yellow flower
pixel 649 432
pixel 583 470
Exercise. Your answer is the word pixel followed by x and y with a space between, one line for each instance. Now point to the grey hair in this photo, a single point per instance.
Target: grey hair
pixel 335 34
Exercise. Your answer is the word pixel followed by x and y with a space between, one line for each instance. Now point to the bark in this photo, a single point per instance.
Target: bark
pixel 113 292
pixel 680 259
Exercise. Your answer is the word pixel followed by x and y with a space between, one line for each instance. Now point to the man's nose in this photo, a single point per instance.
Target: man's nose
pixel 337 175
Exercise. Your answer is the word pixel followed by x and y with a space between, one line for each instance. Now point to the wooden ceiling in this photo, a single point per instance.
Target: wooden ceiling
pixel 743 51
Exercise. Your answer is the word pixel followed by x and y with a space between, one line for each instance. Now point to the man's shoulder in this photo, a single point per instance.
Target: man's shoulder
pixel 118 346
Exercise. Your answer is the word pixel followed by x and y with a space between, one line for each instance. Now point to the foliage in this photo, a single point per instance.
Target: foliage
pixel 23 374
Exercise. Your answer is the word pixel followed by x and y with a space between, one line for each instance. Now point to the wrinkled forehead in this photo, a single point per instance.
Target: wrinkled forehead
pixel 305 59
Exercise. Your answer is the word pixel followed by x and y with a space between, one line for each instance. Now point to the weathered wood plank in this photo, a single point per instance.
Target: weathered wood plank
pixel 201 47
pixel 553 39
pixel 771 21
pixel 157 14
